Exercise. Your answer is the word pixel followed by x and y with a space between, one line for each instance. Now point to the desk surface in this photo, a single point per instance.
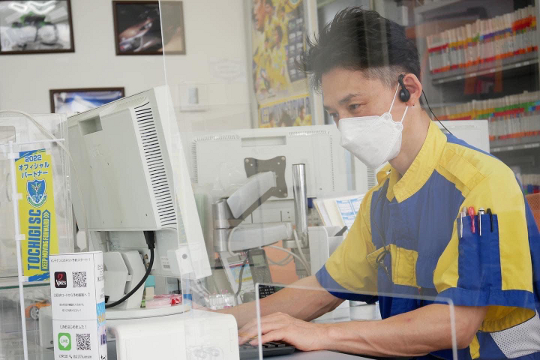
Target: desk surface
pixel 319 355
pixel 46 354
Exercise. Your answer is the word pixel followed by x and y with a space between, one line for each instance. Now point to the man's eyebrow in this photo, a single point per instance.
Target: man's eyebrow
pixel 348 98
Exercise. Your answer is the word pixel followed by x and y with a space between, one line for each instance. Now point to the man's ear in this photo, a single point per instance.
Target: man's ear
pixel 414 86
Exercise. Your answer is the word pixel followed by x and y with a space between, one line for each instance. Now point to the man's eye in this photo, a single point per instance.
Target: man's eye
pixel 354 107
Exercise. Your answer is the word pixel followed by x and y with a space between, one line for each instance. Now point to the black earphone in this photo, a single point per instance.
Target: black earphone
pixel 404 94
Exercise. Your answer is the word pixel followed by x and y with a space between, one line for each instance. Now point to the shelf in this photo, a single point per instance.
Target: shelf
pixel 434 5
pixel 515 144
pixel 13 283
pixel 514 62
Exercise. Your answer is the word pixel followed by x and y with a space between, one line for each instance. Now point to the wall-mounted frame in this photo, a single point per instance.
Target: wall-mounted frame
pixel 36 27
pixel 72 101
pixel 137 27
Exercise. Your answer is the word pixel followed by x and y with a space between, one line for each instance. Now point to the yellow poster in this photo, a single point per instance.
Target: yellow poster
pixel 294 111
pixel 278 32
pixel 36 212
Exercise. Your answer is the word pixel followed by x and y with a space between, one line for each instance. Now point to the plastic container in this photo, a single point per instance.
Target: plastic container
pixel 164 301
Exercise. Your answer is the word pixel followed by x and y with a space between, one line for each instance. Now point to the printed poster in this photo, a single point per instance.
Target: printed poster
pixel 278 34
pixel 36 212
pixel 294 111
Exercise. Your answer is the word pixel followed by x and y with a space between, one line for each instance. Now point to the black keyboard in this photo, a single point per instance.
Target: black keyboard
pixel 276 348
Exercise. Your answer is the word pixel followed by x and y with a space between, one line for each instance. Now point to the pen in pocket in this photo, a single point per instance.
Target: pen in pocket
pixel 480 213
pixel 490 219
pixel 462 214
pixel 471 214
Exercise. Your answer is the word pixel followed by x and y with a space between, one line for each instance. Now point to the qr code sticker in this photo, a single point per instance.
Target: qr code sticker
pixel 83 342
pixel 79 279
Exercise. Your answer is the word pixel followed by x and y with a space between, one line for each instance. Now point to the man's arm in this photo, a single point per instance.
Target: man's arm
pixel 305 299
pixel 415 333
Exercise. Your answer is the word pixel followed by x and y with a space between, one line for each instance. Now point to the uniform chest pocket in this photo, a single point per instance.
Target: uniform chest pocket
pixel 479 259
pixel 403 264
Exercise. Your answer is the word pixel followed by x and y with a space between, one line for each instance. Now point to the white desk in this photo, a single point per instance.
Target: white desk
pixel 320 355
pixel 47 354
pixel 337 316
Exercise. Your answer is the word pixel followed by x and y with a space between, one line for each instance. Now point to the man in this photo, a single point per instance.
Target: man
pixel 408 238
pixel 302 119
pixel 278 63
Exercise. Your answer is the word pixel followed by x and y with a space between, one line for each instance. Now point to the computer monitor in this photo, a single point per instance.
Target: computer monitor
pixel 133 176
pixel 473 132
pixel 218 159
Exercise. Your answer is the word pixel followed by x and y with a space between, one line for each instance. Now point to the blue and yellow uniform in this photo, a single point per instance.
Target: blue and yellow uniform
pixel 406 241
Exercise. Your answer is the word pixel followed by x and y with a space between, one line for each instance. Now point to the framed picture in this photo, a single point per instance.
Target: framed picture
pixel 73 101
pixel 35 27
pixel 137 28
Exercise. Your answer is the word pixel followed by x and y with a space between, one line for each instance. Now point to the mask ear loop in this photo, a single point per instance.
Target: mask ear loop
pixel 392 105
pixel 400 123
pixel 405 113
pixel 394 99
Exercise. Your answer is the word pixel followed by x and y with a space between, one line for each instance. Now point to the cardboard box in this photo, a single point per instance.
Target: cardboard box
pixel 78 306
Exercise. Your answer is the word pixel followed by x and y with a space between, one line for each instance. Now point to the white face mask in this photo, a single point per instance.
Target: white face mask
pixel 374 140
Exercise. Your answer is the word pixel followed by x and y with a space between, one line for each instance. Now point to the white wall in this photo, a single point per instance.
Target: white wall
pixel 215 64
pixel 214 33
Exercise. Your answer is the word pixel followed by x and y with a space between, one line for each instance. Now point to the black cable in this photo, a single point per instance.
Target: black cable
pixel 427 102
pixel 386 251
pixel 240 276
pixel 150 241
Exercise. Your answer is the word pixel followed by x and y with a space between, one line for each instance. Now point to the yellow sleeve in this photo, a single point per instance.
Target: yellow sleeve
pixel 347 272
pixel 494 269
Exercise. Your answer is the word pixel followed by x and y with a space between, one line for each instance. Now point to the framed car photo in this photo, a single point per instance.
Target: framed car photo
pixel 35 27
pixel 138 25
pixel 73 101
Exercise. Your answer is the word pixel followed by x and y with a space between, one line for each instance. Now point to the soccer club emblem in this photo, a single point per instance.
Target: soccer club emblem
pixel 36 192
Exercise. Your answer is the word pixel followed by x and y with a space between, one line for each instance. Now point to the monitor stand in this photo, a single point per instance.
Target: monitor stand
pixel 141 313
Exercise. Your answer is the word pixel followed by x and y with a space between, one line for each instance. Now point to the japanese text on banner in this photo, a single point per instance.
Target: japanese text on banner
pixel 36 212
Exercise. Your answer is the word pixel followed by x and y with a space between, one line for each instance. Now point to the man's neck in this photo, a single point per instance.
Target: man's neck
pixel 413 139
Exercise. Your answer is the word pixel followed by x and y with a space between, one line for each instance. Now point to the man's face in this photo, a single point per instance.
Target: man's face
pixel 348 93
pixel 269 9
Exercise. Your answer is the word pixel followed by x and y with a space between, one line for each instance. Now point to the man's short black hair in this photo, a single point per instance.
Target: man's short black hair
pixel 360 39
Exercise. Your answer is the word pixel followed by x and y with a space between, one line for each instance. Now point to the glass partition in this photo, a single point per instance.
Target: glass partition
pixel 34 149
pixel 336 161
pixel 353 326
pixel 290 190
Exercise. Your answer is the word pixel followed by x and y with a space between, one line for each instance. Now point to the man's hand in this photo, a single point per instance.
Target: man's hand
pixel 414 333
pixel 303 335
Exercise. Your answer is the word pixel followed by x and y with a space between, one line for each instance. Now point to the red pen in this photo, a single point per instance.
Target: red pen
pixel 471 214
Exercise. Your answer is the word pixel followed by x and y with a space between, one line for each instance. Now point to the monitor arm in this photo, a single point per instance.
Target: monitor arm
pixel 229 212
pixel 236 208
